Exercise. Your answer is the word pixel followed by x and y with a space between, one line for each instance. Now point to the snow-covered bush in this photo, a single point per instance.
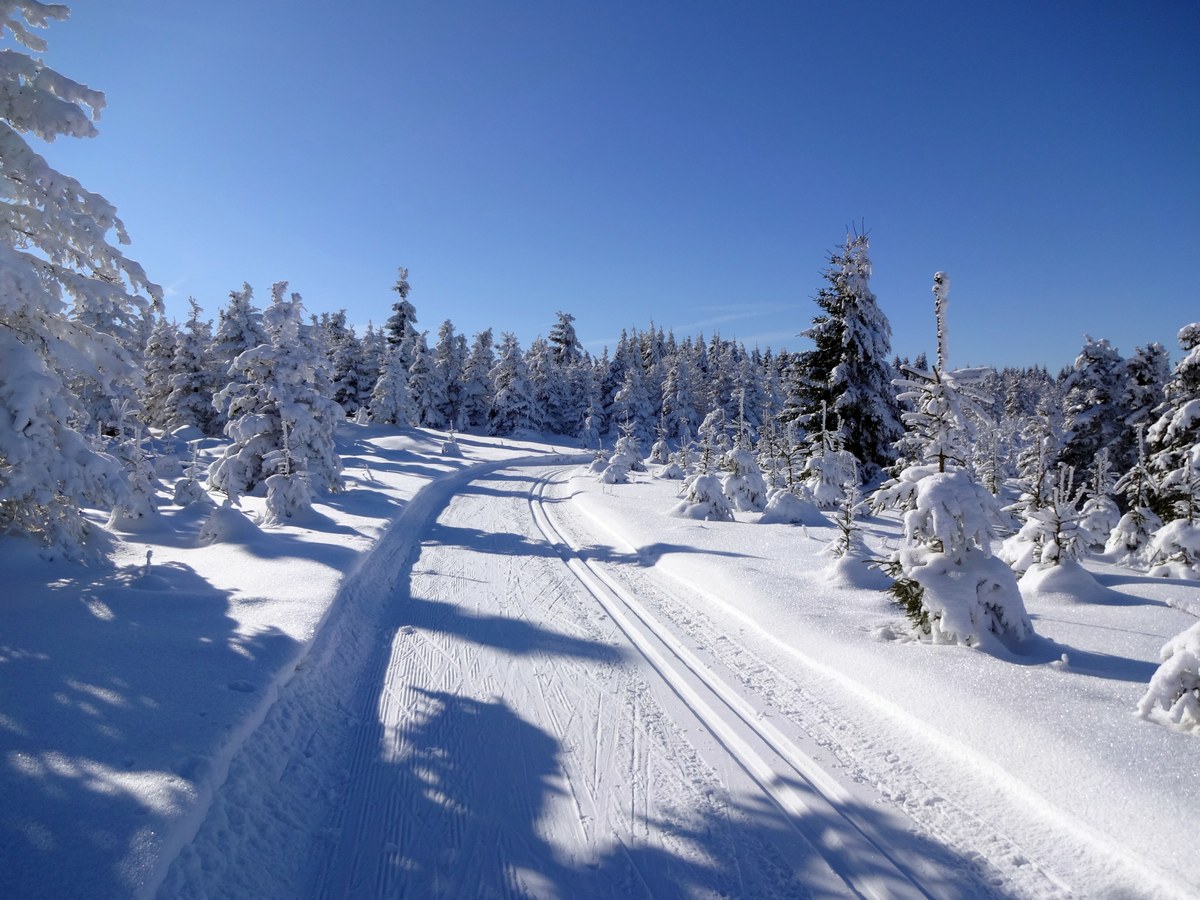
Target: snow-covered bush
pixel 743 482
pixel 704 499
pixel 288 497
pixel 854 565
pixel 670 472
pixel 1174 690
pixel 946 579
pixel 628 451
pixel 1175 550
pixel 138 508
pixel 1052 531
pixel 660 451
pixel 785 508
pixel 1098 518
pixel 1131 536
pixel 226 524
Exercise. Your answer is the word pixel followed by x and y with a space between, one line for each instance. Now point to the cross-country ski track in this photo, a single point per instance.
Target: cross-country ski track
pixel 506 700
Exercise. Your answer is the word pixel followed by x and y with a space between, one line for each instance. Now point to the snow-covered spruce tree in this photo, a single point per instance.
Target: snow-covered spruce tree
pixel 626 457
pixel 712 441
pixel 1143 390
pixel 157 362
pixel 1139 486
pixel 344 359
pixel 946 578
pixel 1175 546
pixel 781 457
pixel 477 387
pixel 391 403
pixel 679 401
pixel 660 450
pixel 288 495
pixel 239 328
pixel 848 369
pixel 1099 514
pixel 449 361
pixel 193 381
pixel 401 324
pixel 512 404
pixel 1176 431
pixel 564 343
pixel 548 386
pixel 1091 416
pixel 1052 533
pixel 827 467
pixel 743 481
pixel 374 348
pixel 630 401
pixel 1174 690
pixel 278 395
pixel 137 509
pixel 58 271
pixel 589 432
pixel 429 392
pixel 704 499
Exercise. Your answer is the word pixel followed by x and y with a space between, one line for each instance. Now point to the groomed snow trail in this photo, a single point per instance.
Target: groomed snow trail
pixel 500 707
pixel 517 743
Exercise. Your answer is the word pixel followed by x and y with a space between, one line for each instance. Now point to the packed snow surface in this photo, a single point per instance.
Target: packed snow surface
pixel 495 675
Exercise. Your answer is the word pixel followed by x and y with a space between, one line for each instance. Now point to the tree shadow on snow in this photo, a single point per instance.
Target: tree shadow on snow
pixel 459 805
pixel 517 637
pixel 95 717
pixel 1039 651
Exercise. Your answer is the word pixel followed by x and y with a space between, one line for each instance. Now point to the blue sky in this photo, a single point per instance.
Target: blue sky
pixel 690 163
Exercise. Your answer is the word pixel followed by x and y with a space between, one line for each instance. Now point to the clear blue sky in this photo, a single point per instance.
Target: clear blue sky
pixel 687 162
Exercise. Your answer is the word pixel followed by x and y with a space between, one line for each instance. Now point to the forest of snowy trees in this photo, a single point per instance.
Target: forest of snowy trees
pixel 1104 456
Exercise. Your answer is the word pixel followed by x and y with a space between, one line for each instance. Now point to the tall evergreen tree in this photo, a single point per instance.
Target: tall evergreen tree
pixel 450 360
pixel 1173 440
pixel 64 291
pixel 239 328
pixel 157 360
pixel 401 325
pixel 1091 415
pixel 513 401
pixel 193 378
pixel 477 386
pixel 278 421
pixel 391 403
pixel 564 342
pixel 429 392
pixel 848 369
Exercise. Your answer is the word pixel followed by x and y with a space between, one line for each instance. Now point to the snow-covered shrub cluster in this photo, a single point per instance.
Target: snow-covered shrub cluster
pixel 1174 690
pixel 704 498
pixel 946 577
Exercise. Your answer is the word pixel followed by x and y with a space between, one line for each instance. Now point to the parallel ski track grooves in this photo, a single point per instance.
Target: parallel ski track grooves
pixel 820 818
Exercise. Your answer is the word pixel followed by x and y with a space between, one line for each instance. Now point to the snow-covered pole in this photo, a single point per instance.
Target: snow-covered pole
pixel 941 290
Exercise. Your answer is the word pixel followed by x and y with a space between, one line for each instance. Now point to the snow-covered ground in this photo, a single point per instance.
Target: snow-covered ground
pixel 495 676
